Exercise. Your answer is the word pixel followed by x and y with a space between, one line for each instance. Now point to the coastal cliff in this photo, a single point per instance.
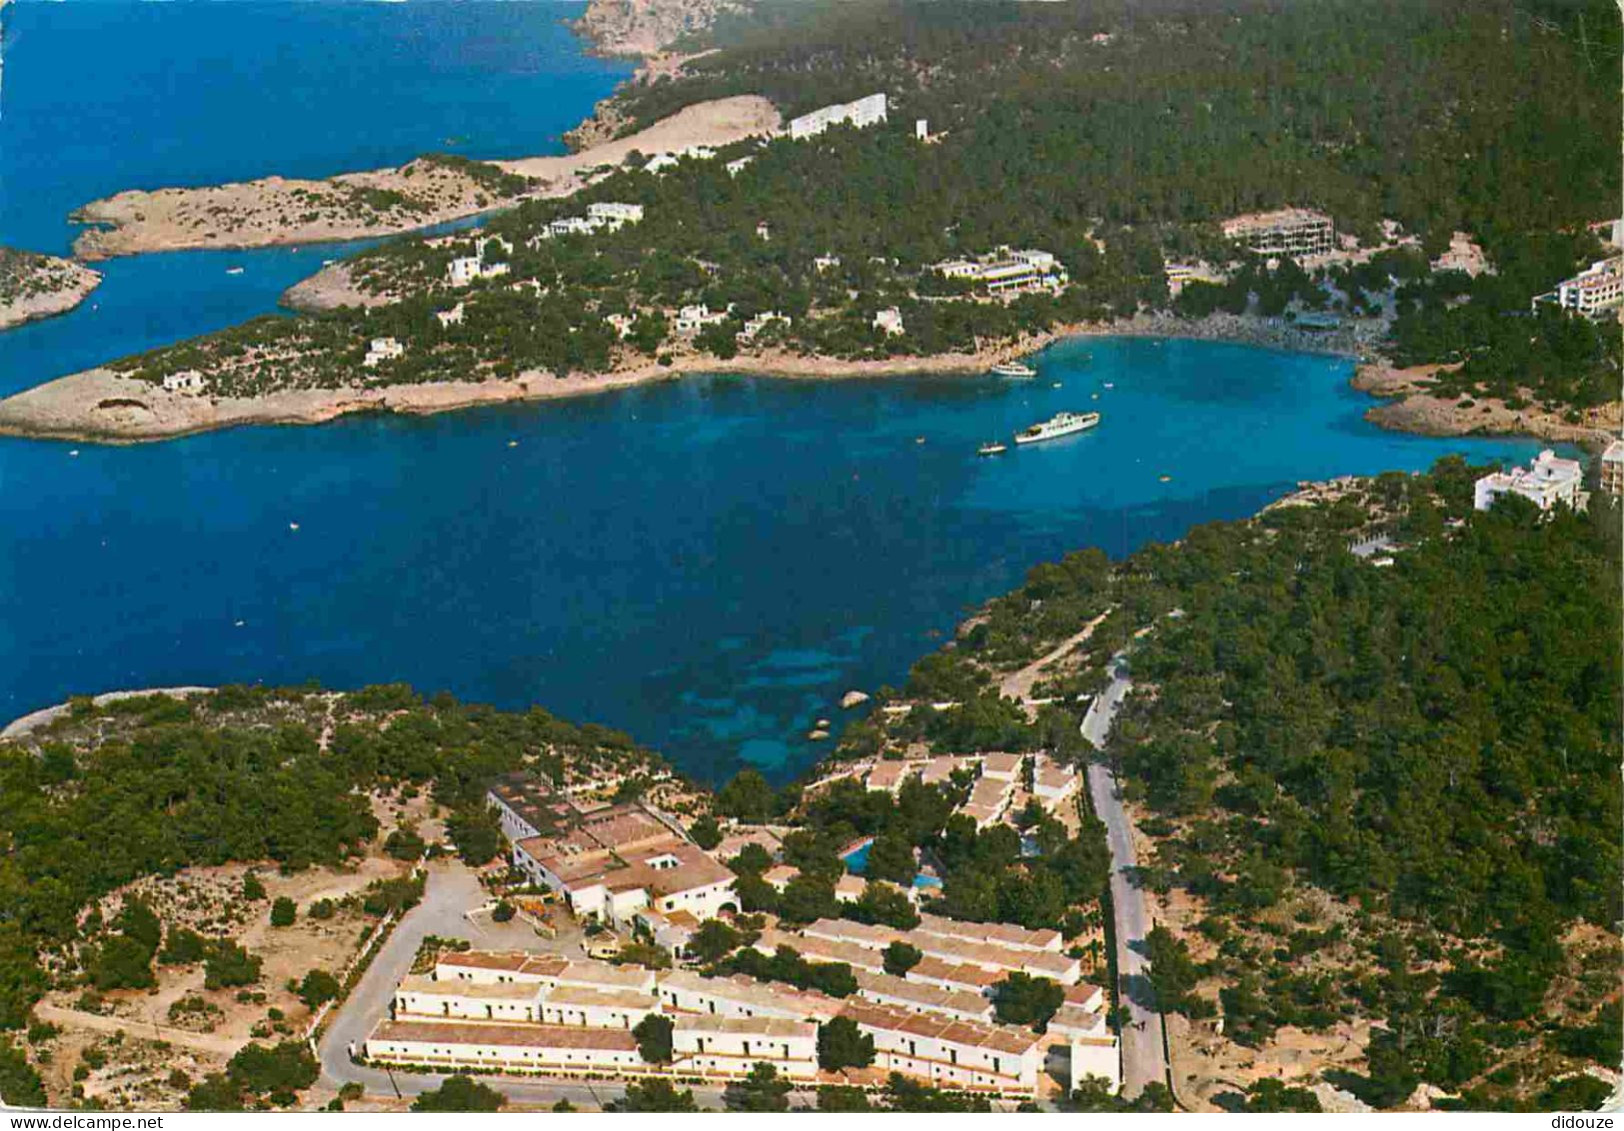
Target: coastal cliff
pixel 644 27
pixel 38 286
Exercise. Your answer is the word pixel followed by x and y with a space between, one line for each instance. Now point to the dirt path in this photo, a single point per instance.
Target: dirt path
pixel 144 1030
pixel 1018 685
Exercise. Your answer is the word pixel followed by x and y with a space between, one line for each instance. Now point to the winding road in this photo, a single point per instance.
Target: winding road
pixel 1143 1049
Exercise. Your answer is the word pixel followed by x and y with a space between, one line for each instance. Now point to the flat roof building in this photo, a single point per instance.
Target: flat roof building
pixel 1545 482
pixel 1294 232
pixel 864 112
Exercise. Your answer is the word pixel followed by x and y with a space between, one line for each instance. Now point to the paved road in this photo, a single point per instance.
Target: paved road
pixel 1142 1048
pixel 451 889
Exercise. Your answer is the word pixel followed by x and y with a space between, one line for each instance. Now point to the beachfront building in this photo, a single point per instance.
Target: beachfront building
pixel 621 324
pixel 950 1053
pixel 888 321
pixel 1612 468
pixel 864 112
pixel 1545 482
pixel 1592 292
pixel 692 319
pixel 1180 274
pixel 731 1047
pixel 760 322
pixel 186 381
pixel 1007 271
pixel 1293 232
pixel 383 349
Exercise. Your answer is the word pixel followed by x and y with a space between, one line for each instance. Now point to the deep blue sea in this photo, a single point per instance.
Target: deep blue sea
pixel 708 564
pixel 105 95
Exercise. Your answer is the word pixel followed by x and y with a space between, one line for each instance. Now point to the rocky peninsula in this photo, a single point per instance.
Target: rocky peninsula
pixel 422 193
pixel 38 286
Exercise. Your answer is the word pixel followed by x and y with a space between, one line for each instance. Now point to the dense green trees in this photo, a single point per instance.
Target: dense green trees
pixel 656 1094
pixel 762 1090
pixel 654 1038
pixel 842 1045
pixel 1021 999
pixel 234 776
pixel 460 1093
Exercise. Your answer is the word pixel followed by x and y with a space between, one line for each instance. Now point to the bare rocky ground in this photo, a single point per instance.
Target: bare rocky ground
pixel 38 286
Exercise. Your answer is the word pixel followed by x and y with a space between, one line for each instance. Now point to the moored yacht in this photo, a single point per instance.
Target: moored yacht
pixel 1013 369
pixel 1063 424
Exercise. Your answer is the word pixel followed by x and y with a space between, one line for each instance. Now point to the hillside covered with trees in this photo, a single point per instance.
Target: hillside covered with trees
pixel 1388 788
pixel 1115 135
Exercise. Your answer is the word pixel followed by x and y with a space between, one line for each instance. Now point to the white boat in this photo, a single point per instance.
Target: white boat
pixel 1063 424
pixel 992 448
pixel 233 270
pixel 1013 369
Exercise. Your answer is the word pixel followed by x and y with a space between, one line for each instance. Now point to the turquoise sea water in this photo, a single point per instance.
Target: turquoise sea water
pixel 105 95
pixel 708 564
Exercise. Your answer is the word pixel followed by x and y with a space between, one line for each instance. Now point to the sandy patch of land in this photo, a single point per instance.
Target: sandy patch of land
pixel 419 194
pixel 1413 407
pixel 37 286
pixel 716 123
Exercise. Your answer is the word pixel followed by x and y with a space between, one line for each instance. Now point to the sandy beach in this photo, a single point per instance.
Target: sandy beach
pixel 420 194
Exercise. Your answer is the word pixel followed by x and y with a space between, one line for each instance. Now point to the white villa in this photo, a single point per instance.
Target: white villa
pixel 889 321
pixel 452 317
pixel 1547 481
pixel 692 319
pixel 186 381
pixel 383 349
pixel 1007 270
pixel 864 112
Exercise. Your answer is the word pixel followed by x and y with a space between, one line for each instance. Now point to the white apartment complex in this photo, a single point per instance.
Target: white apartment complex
pixel 1007 270
pixel 1545 482
pixel 1294 232
pixel 864 112
pixel 1591 292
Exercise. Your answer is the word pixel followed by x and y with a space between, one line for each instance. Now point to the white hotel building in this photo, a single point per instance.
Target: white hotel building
pixel 1547 481
pixel 864 112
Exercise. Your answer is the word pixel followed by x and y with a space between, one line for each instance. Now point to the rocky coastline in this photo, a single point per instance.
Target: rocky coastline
pixel 34 286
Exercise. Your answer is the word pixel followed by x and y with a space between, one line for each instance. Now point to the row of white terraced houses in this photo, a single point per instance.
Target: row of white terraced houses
pixel 545 1014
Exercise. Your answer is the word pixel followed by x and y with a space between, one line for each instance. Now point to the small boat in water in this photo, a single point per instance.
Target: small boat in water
pixel 1063 424
pixel 1013 369
pixel 233 270
pixel 1108 385
pixel 992 448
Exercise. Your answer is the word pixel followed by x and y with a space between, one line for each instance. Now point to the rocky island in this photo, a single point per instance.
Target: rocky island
pixel 38 286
